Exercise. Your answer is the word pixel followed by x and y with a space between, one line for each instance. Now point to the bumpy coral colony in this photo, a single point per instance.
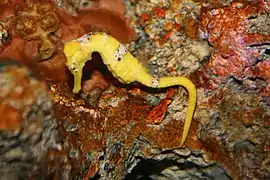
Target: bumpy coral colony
pixel 125 67
pixel 38 21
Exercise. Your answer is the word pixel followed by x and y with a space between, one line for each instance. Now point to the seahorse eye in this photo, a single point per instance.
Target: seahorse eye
pixel 72 67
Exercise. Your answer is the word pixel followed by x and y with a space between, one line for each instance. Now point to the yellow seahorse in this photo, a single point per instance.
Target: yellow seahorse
pixel 124 66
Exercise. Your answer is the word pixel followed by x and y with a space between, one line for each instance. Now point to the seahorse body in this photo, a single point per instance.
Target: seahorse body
pixel 124 66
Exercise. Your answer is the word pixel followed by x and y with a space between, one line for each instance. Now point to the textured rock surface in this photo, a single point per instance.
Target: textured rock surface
pixel 237 132
pixel 27 126
pixel 240 41
pixel 174 164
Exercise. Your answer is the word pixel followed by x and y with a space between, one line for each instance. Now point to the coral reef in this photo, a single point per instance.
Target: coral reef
pixel 116 131
pixel 28 128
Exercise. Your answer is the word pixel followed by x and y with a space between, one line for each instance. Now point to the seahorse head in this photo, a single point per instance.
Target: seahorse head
pixel 76 55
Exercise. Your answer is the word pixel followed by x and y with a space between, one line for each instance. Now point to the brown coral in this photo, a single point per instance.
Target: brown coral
pixel 38 21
